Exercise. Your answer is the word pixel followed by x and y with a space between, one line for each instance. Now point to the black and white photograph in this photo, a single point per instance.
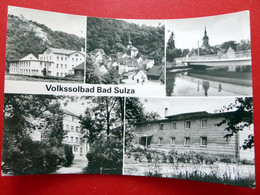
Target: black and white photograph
pixel 209 56
pixel 202 139
pixel 126 52
pixel 44 46
pixel 47 134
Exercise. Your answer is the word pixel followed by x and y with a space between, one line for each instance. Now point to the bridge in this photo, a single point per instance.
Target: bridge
pixel 242 58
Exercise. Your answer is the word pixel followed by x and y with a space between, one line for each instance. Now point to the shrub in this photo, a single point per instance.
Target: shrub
pixel 68 155
pixel 105 157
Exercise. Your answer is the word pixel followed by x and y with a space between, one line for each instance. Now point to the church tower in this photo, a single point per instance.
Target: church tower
pixel 205 40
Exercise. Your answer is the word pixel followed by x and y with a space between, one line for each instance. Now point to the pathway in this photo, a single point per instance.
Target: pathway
pixel 77 167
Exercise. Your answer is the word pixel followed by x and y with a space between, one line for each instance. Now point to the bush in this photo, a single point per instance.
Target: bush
pixel 68 155
pixel 32 158
pixel 105 157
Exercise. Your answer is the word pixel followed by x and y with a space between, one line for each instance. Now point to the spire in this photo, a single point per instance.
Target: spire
pixel 205 32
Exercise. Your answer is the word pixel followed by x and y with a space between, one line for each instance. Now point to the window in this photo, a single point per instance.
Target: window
pixel 67 127
pixel 77 128
pixel 77 139
pixel 173 125
pixel 161 126
pixel 57 57
pixel 148 127
pixel 72 128
pixel 227 139
pixel 160 141
pixel 57 66
pixel 61 58
pixel 172 141
pixel 61 74
pixel 76 148
pixel 187 124
pixel 57 74
pixel 186 141
pixel 71 138
pixel 66 66
pixel 203 141
pixel 67 138
pixel 204 123
pixel 61 66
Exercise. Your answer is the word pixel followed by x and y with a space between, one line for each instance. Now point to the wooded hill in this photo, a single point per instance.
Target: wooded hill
pixel 112 36
pixel 27 36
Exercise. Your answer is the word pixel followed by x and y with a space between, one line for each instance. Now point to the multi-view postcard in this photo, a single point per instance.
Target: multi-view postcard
pixel 161 98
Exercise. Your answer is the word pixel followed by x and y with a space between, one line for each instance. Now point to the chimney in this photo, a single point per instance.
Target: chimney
pixel 165 112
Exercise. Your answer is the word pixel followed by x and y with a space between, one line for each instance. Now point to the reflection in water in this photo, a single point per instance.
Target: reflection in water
pixel 226 80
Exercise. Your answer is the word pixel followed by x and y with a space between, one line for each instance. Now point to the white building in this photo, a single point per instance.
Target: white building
pixel 64 60
pixel 73 135
pixel 30 66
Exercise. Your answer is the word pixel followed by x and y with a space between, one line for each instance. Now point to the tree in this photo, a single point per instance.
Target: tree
pixel 103 124
pixel 171 42
pixel 23 114
pixel 239 119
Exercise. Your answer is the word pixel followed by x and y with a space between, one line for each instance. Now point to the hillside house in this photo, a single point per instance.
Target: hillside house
pixel 30 66
pixel 64 60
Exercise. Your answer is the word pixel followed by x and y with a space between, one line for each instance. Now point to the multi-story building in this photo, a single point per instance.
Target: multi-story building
pixel 64 60
pixel 73 135
pixel 196 132
pixel 30 66
pixel 53 62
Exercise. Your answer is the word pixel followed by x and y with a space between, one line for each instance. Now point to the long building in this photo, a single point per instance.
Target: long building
pixel 192 132
pixel 53 62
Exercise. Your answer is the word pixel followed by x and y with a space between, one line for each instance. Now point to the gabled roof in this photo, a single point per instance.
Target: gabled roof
pixel 79 67
pixel 154 71
pixel 69 113
pixel 29 57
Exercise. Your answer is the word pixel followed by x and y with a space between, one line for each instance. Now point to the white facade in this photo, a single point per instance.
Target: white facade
pixel 63 60
pixel 73 135
pixel 30 66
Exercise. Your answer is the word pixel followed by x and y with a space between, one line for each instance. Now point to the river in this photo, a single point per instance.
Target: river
pixel 213 81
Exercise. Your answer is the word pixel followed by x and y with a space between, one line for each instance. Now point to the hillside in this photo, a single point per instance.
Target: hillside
pixel 113 35
pixel 26 36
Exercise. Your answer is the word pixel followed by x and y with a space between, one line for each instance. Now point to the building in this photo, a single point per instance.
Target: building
pixel 64 60
pixel 30 66
pixel 195 131
pixel 205 40
pixel 73 135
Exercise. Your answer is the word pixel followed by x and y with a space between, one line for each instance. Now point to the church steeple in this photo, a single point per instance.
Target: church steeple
pixel 205 40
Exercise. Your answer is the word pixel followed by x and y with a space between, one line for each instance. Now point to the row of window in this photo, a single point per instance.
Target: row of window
pixel 61 74
pixel 72 128
pixel 187 125
pixel 65 58
pixel 72 139
pixel 203 141
pixel 61 66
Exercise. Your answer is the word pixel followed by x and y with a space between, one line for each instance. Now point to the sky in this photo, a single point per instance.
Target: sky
pixel 72 24
pixel 221 28
pixel 179 105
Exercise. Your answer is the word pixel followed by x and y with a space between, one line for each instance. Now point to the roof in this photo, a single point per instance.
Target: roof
pixel 154 71
pixel 189 116
pixel 129 73
pixel 63 51
pixel 29 57
pixel 69 113
pixel 79 67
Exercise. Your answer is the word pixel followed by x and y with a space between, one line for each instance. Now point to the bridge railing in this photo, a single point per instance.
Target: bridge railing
pixel 232 55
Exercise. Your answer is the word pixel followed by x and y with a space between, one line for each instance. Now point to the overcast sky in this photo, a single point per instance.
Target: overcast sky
pixel 72 24
pixel 179 105
pixel 221 28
